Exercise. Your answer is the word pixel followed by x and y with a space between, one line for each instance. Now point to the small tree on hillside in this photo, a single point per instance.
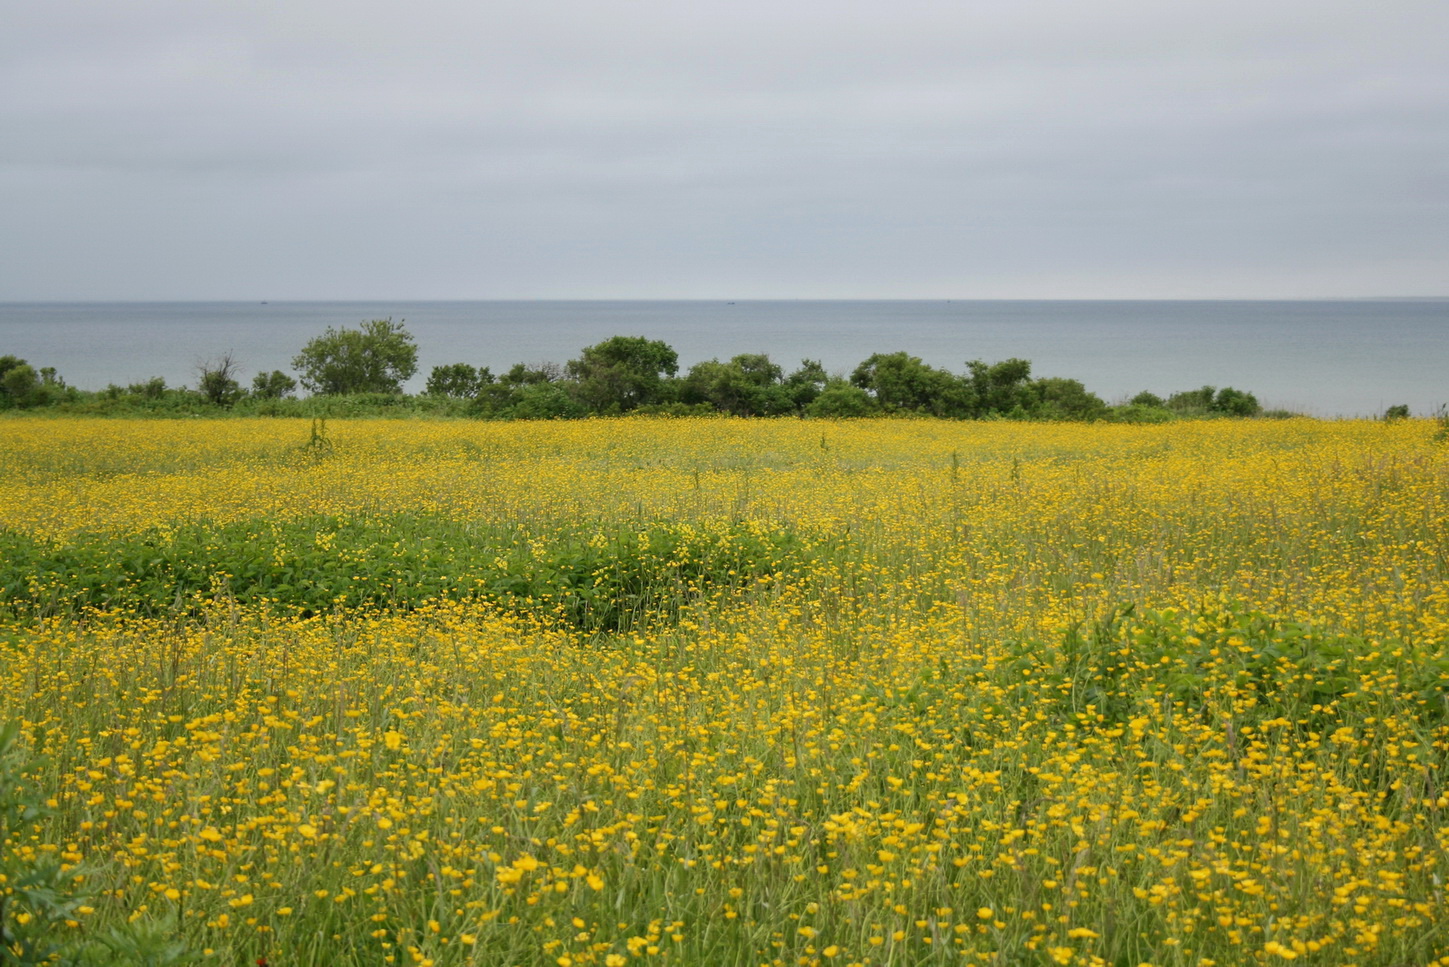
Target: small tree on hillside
pixel 376 358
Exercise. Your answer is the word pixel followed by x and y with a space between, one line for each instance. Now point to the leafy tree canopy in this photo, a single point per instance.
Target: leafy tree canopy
pixel 273 385
pixel 747 385
pixel 900 381
pixel 1000 388
pixel 378 357
pixel 458 380
pixel 624 373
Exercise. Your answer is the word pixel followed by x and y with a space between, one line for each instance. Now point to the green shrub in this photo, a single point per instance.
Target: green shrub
pixel 1141 413
pixel 1234 402
pixel 597 581
pixel 1065 399
pixel 377 357
pixel 22 387
pixel 543 401
pixel 273 386
pixel 1145 398
pixel 458 380
pixel 840 399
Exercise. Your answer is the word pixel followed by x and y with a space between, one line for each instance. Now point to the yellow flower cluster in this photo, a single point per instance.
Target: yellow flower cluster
pixel 1032 693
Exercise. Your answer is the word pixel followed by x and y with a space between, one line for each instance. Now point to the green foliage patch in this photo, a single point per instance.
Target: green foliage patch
pixel 596 580
pixel 40 899
pixel 1131 664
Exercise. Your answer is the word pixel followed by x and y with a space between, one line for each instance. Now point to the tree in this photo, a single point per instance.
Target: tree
pixel 544 401
pixel 901 382
pixel 805 385
pixel 7 363
pixel 1058 398
pixel 458 380
pixel 1236 402
pixel 623 373
pixel 273 385
pixel 1001 388
pixel 152 389
pixel 1226 401
pixel 522 374
pixel 1192 402
pixel 18 382
pixel 1146 398
pixel 218 380
pixel 747 385
pixel 21 386
pixel 841 399
pixel 376 358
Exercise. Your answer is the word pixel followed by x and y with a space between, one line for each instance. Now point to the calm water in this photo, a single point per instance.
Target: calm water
pixel 1325 358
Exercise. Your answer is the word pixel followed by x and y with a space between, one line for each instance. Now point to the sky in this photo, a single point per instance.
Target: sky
pixel 836 149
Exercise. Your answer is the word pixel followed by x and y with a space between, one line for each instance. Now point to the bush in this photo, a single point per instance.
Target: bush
pixel 623 373
pixel 1141 413
pixel 1145 398
pixel 218 383
pixel 1209 401
pixel 458 380
pixel 21 387
pixel 1233 402
pixel 19 383
pixel 806 384
pixel 902 382
pixel 273 386
pixel 1001 389
pixel 747 385
pixel 840 399
pixel 1065 399
pixel 544 401
pixel 377 358
pixel 677 409
pixel 1192 402
pixel 152 389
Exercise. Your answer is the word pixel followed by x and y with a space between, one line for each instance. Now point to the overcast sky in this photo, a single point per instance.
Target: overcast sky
pixel 454 149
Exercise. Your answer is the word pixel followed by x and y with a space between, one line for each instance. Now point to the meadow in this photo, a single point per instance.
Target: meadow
pixel 715 691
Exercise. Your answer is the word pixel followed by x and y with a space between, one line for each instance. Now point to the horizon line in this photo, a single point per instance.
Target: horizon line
pixel 734 300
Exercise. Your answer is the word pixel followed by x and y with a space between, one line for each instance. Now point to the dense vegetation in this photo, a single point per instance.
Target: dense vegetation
pixel 357 372
pixel 703 691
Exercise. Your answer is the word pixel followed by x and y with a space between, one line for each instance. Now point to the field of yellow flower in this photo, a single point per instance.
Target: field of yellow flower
pixel 734 692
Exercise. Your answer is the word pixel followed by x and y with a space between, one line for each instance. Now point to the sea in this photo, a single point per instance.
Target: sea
pixel 1321 358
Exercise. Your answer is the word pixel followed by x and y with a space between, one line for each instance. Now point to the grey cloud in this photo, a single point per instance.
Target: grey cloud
pixel 660 148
